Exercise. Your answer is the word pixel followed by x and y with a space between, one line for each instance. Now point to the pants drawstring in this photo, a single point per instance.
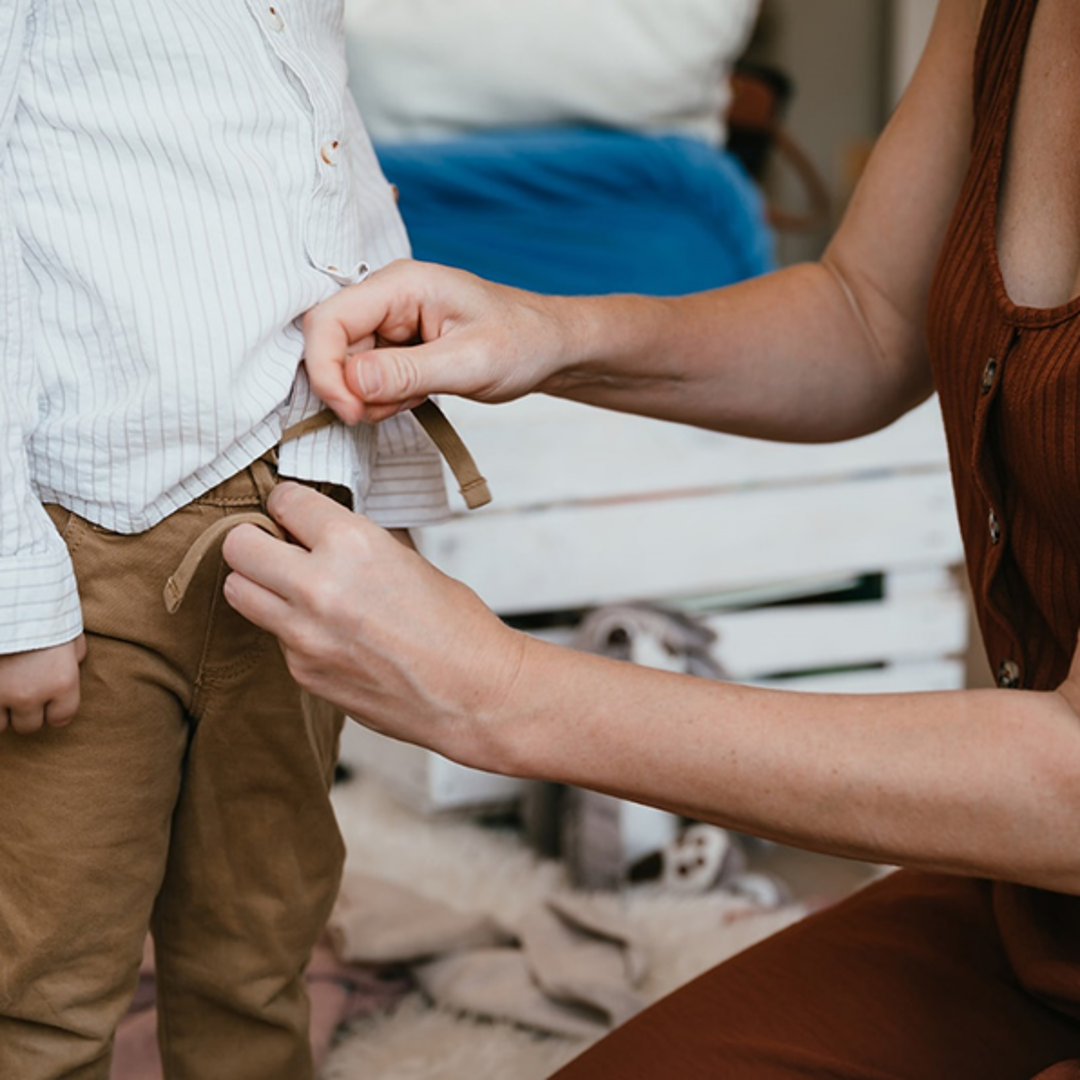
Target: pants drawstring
pixel 177 586
pixel 473 486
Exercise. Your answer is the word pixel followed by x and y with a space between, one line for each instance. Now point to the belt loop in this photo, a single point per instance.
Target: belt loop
pixel 264 473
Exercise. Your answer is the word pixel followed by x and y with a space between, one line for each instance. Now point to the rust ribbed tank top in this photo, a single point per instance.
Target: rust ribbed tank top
pixel 1008 378
pixel 1009 382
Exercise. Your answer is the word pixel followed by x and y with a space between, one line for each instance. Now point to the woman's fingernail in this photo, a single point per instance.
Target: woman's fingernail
pixel 369 378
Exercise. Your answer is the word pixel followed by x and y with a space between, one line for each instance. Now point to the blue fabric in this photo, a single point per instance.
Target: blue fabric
pixel 581 210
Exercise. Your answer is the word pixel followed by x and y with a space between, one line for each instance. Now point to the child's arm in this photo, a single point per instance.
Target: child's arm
pixel 40 687
pixel 40 620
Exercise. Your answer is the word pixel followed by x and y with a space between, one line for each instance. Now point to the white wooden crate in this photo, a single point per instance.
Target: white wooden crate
pixel 919 621
pixel 593 507
pixel 586 554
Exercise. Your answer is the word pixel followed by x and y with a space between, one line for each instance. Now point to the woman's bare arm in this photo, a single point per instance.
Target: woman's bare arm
pixel 977 782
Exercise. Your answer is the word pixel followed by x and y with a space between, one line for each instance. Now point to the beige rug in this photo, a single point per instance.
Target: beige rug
pixel 480 869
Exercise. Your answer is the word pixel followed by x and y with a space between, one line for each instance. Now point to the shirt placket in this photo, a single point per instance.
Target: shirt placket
pixel 1008 666
pixel 324 238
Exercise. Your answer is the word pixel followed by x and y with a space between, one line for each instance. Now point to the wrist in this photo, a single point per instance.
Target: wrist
pixel 599 340
pixel 495 735
pixel 577 340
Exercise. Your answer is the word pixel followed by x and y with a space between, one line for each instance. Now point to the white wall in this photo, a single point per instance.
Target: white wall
pixel 836 53
pixel 910 25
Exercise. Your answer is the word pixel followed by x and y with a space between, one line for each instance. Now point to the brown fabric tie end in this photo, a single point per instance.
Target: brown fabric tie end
pixel 473 486
pixel 177 585
pixel 476 493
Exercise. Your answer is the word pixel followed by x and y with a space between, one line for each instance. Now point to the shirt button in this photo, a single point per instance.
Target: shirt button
pixel 1008 675
pixel 330 151
pixel 989 375
pixel 994 527
pixel 274 19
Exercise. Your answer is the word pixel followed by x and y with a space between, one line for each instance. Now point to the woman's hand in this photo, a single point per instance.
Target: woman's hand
pixel 414 329
pixel 369 625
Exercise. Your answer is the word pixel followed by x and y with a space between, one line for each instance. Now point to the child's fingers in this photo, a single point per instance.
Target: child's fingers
pixel 54 720
pixel 26 721
pixel 62 709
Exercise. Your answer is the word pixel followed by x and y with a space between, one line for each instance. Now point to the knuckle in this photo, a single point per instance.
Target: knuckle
pixel 404 375
pixel 303 641
pixel 310 596
pixel 282 499
pixel 339 532
pixel 65 707
pixel 22 701
pixel 301 666
pixel 296 665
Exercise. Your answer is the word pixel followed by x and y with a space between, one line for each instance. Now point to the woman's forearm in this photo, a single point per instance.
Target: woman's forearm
pixel 788 356
pixel 811 353
pixel 974 782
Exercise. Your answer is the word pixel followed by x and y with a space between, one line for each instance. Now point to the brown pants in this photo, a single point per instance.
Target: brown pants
pixel 906 980
pixel 190 794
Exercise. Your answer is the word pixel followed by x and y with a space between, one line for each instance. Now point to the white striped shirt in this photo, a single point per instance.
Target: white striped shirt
pixel 178 184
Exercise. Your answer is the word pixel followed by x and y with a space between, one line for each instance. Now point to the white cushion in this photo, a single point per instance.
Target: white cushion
pixel 433 68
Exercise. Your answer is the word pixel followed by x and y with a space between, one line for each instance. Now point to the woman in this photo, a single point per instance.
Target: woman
pixel 956 268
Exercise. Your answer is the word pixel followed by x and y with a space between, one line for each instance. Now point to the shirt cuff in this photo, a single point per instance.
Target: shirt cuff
pixel 39 602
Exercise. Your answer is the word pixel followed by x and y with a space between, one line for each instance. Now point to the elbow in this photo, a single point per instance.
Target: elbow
pixel 1054 780
pixel 893 343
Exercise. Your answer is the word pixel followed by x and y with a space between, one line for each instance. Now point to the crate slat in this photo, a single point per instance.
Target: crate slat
pixel 581 556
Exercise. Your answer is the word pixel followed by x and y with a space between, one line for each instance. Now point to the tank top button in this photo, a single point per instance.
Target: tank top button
pixel 994 528
pixel 989 375
pixel 1008 675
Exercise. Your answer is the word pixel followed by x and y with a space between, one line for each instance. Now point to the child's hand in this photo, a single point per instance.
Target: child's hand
pixel 40 687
